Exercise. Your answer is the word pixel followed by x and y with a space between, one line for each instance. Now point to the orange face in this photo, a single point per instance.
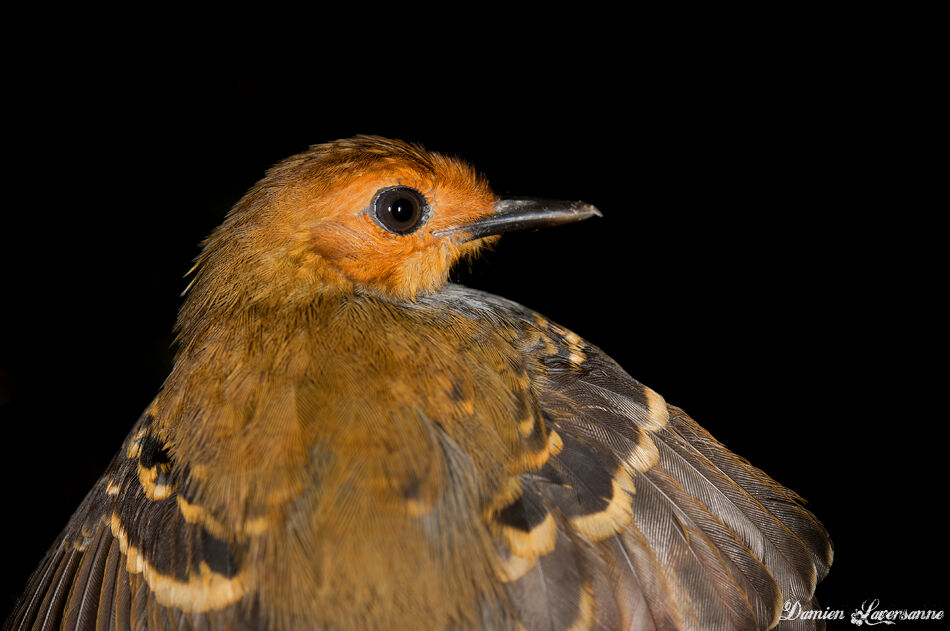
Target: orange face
pixel 362 214
pixel 378 224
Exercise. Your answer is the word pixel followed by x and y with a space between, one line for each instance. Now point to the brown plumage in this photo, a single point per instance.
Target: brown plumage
pixel 346 441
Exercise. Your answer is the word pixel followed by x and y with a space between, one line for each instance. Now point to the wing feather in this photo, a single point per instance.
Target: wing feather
pixel 783 504
pixel 105 614
pixel 86 590
pixel 129 558
pixel 711 543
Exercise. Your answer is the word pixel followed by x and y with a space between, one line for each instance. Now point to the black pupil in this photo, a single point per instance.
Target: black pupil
pixel 402 209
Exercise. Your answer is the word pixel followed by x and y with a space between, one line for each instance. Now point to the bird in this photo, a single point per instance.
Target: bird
pixel 348 440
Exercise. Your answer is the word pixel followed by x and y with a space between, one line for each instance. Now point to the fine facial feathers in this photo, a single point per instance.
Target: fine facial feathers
pixel 347 441
pixel 308 226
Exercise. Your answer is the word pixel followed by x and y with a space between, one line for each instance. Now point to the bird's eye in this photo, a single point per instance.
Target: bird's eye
pixel 400 209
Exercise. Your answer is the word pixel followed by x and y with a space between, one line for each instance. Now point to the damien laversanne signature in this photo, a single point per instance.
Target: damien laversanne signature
pixel 869 613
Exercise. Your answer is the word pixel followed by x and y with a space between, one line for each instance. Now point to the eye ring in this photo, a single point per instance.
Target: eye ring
pixel 400 209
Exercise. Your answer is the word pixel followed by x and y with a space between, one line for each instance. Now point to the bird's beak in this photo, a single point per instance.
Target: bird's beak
pixel 513 214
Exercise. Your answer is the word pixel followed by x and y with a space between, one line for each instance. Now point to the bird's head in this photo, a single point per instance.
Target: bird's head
pixel 365 214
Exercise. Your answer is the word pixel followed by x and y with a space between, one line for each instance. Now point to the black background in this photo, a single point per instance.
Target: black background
pixel 731 272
